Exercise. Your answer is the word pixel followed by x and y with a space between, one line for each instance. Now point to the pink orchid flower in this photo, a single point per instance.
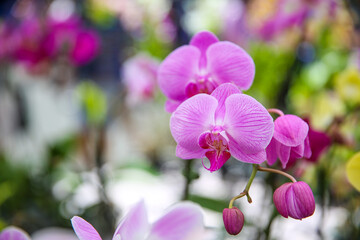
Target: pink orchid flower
pixel 290 140
pixel 139 76
pixel 181 222
pixel 201 67
pixel 13 233
pixel 222 124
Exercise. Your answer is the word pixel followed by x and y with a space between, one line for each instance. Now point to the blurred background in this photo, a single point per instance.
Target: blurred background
pixel 83 129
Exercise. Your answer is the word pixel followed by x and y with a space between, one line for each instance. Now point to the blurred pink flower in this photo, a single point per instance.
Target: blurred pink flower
pixel 30 35
pixel 202 66
pixel 69 37
pixel 290 140
pixel 13 233
pixel 179 223
pixel 222 124
pixel 294 200
pixel 292 13
pixel 139 76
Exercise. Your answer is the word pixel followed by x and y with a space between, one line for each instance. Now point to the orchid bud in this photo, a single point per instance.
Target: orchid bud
pixel 294 200
pixel 233 220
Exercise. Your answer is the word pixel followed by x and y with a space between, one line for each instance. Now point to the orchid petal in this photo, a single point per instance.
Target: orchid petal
pixel 202 41
pixel 13 233
pixel 186 153
pixel 221 93
pixel 134 225
pixel 307 148
pixel 191 119
pixel 290 130
pixel 279 199
pixel 271 154
pixel 228 62
pixel 254 158
pixel 171 106
pixel 298 151
pixel 248 123
pixel 284 154
pixel 84 230
pixel 178 69
pixel 180 222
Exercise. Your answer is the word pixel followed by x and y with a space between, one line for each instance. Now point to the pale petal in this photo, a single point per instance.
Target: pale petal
pixel 202 41
pixel 13 233
pixel 271 154
pixel 290 130
pixel 84 230
pixel 227 62
pixel 221 93
pixel 180 222
pixel 191 119
pixel 248 123
pixel 178 69
pixel 135 224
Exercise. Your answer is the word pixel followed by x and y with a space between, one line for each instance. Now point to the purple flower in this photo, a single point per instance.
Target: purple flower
pixel 13 233
pixel 290 140
pixel 233 220
pixel 139 76
pixel 222 124
pixel 182 221
pixel 201 67
pixel 294 200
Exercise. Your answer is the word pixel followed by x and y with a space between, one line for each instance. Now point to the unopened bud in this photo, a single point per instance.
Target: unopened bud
pixel 233 220
pixel 294 200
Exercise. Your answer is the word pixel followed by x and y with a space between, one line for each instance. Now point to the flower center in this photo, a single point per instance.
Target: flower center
pixel 201 84
pixel 217 145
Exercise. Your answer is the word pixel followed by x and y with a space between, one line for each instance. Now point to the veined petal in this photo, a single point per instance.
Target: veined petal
pixel 304 199
pixel 13 233
pixel 284 153
pixel 271 154
pixel 202 41
pixel 248 123
pixel 290 130
pixel 135 224
pixel 237 152
pixel 191 119
pixel 227 62
pixel 180 222
pixel 84 230
pixel 178 69
pixel 221 93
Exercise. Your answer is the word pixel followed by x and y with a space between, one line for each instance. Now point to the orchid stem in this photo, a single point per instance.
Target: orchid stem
pixel 247 188
pixel 277 171
pixel 277 111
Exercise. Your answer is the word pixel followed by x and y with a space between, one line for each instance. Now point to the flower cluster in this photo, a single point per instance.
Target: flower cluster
pixel 212 118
